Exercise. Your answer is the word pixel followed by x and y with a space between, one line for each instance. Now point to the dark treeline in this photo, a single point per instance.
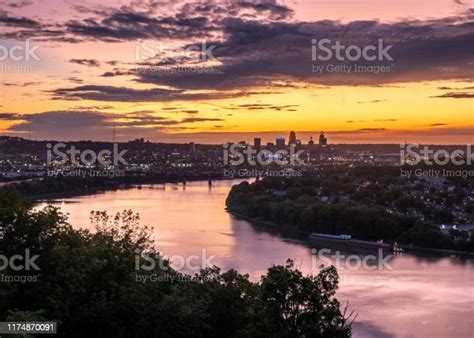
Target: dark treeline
pixel 89 284
pixel 294 205
pixel 77 185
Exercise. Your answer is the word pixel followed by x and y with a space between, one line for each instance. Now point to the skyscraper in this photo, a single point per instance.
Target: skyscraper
pixel 192 147
pixel 292 139
pixel 257 143
pixel 280 142
pixel 323 140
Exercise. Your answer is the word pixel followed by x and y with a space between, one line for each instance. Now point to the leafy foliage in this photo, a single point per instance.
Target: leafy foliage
pixel 290 203
pixel 89 284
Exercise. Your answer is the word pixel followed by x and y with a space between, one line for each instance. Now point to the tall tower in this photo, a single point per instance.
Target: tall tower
pixel 257 143
pixel 192 147
pixel 323 140
pixel 280 142
pixel 292 139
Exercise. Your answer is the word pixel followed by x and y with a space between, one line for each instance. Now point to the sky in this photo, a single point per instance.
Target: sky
pixel 223 71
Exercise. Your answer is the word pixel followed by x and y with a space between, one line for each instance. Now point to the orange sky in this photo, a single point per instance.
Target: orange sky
pixel 422 107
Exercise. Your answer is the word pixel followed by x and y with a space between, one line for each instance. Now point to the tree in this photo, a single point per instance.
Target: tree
pixel 298 306
pixel 91 286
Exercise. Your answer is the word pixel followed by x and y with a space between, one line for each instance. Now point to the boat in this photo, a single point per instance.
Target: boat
pixel 347 239
pixel 327 237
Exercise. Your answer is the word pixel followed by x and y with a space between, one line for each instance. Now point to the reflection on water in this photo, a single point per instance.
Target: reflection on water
pixel 420 297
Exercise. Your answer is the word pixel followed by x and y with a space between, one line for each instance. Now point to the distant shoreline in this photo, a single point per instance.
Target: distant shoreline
pixel 96 190
pixel 406 248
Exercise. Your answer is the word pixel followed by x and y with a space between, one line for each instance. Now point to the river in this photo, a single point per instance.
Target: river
pixel 414 296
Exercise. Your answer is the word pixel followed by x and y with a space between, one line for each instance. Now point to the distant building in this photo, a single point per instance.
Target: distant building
pixel 292 139
pixel 280 142
pixel 257 143
pixel 311 142
pixel 323 140
pixel 192 147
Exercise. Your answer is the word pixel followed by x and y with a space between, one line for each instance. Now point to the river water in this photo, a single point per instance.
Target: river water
pixel 409 296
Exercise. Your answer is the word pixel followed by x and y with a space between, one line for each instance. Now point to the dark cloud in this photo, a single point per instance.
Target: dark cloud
pixel 21 84
pixel 77 125
pixel 129 25
pixel 85 118
pixel 257 53
pixel 75 79
pixel 385 120
pixel 199 119
pixel 437 124
pixel 103 107
pixel 19 3
pixel 187 21
pixel 455 95
pixel 277 12
pixel 122 94
pixel 371 129
pixel 260 106
pixel 258 44
pixel 8 20
pixel 452 88
pixel 86 62
pixel 10 116
pixel 89 124
pixel 373 101
pixel 118 72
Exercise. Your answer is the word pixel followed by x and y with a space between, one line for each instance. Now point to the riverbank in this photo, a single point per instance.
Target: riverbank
pixel 268 224
pixel 91 187
pixel 300 234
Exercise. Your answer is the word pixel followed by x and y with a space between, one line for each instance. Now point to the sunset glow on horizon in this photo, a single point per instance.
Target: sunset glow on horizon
pixel 94 71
